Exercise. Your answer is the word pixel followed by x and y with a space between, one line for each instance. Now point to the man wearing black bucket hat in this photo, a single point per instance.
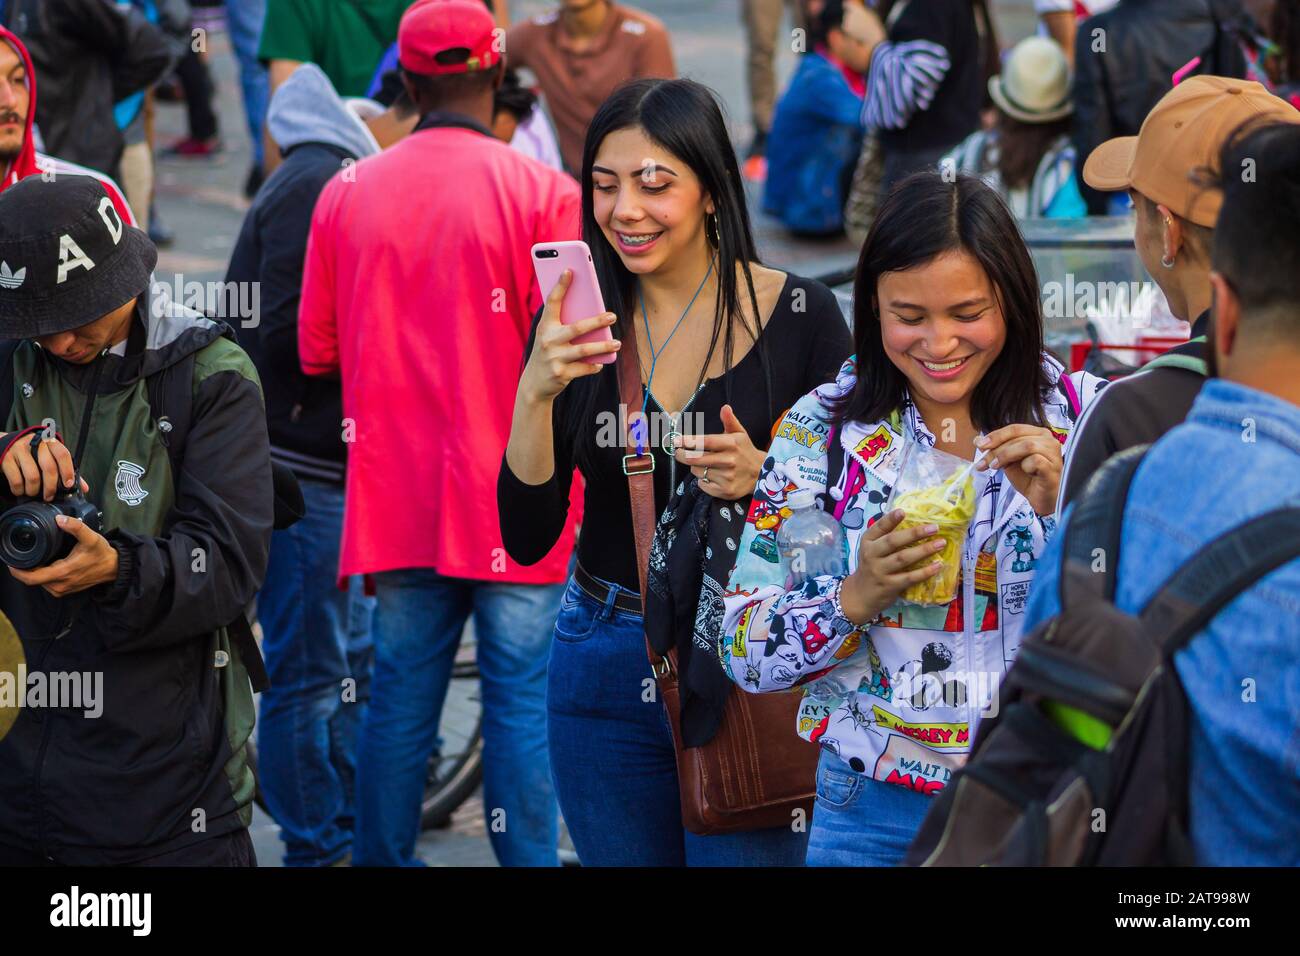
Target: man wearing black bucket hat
pixel 128 599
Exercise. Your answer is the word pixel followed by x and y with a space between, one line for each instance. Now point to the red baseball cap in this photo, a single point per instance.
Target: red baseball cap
pixel 438 37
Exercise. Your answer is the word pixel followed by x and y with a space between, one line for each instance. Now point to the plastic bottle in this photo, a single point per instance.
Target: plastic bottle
pixel 811 544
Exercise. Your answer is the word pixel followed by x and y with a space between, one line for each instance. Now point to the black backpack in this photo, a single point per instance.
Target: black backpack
pixel 1031 793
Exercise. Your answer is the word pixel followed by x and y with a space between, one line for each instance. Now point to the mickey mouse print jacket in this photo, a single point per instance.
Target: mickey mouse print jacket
pixel 926 672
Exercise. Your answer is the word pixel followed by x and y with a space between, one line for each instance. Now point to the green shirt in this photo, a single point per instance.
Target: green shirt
pixel 345 38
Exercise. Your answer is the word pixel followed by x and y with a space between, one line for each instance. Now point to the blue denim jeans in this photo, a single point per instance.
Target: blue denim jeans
pixel 315 638
pixel 858 821
pixel 418 626
pixel 612 752
pixel 245 18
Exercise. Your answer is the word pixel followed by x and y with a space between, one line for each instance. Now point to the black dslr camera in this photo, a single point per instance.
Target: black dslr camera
pixel 29 536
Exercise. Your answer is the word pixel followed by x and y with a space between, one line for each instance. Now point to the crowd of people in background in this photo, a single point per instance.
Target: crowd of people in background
pixel 441 436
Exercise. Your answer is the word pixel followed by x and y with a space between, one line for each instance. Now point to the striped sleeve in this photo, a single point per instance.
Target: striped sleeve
pixel 902 79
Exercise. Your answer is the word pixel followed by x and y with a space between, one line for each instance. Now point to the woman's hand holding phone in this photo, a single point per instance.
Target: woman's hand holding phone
pixel 556 360
pixel 884 555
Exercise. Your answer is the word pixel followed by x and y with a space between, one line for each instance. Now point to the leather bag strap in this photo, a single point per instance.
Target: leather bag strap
pixel 639 469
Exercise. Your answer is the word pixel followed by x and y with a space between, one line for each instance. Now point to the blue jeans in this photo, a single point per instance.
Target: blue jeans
pixel 859 821
pixel 245 18
pixel 612 752
pixel 315 638
pixel 418 626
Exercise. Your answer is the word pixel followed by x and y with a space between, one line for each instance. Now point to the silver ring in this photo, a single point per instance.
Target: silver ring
pixel 705 477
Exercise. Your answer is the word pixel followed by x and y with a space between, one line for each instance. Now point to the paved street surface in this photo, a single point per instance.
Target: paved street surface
pixel 202 201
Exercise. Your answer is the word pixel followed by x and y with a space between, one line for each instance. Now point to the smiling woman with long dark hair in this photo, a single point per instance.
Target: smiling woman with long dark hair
pixel 721 338
pixel 949 338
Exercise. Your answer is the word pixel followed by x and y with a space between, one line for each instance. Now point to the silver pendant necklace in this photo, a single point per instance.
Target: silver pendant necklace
pixel 666 445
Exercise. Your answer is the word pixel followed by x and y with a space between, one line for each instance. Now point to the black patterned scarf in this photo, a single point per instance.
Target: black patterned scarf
pixel 691 558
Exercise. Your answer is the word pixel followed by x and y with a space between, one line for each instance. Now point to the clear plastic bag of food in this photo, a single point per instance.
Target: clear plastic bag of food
pixel 934 487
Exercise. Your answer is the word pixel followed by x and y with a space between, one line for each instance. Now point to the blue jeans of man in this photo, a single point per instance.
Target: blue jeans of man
pixel 245 18
pixel 318 650
pixel 612 752
pixel 858 821
pixel 418 625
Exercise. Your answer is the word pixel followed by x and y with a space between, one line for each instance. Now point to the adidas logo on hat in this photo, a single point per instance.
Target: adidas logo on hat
pixel 67 258
pixel 11 280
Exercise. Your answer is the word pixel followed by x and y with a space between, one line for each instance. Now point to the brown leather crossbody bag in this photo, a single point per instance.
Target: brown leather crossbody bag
pixel 756 772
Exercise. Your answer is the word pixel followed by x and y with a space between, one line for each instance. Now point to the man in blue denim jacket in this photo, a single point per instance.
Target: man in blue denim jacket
pixel 1236 456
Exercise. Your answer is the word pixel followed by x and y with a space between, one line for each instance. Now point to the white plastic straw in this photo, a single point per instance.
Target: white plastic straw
pixel 956 483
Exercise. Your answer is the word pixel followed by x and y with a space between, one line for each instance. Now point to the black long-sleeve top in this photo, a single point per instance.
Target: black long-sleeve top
pixel 806 340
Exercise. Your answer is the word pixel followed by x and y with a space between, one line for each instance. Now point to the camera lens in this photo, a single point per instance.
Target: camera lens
pixel 23 537
pixel 29 538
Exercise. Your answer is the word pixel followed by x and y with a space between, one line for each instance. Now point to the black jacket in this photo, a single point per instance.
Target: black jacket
pixel 89 54
pixel 162 765
pixel 319 135
pixel 1121 72
pixel 304 414
pixel 1136 410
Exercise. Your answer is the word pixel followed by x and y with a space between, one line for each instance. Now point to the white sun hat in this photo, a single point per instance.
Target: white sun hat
pixel 1034 85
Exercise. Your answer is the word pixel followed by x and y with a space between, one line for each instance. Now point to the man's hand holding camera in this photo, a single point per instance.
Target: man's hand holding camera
pixel 43 469
pixel 92 561
pixel 40 473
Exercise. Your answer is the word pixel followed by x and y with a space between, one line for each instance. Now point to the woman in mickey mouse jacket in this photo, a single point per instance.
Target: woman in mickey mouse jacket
pixel 949 343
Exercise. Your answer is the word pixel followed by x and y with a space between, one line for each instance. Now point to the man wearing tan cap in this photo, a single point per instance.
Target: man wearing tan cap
pixel 1163 168
pixel 1233 466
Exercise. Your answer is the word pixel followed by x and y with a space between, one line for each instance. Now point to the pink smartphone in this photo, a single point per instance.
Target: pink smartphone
pixel 583 300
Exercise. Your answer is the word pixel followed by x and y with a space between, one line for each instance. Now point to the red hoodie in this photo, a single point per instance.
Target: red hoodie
pixel 30 162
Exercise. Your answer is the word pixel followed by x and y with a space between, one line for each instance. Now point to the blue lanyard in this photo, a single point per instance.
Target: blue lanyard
pixel 639 432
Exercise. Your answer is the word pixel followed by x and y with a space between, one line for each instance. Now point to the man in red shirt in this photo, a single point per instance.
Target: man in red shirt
pixel 418 292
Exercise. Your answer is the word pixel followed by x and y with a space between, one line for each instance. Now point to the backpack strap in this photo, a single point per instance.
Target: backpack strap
pixel 1185 604
pixel 1219 572
pixel 1096 523
pixel 171 402
pixel 834 467
pixel 834 457
pixel 8 349
pixel 1073 404
pixel 241 637
pixel 1192 363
